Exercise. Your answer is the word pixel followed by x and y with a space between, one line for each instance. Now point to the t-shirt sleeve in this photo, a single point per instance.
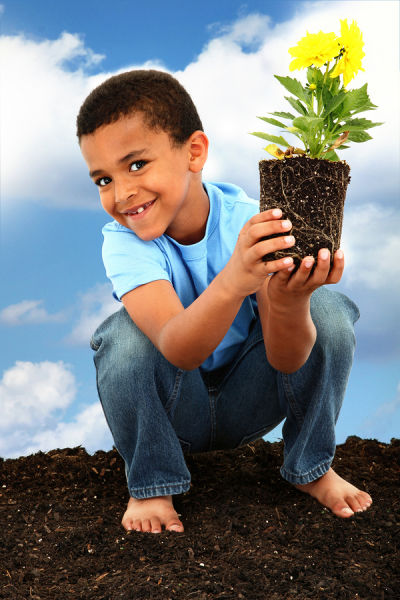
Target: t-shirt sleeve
pixel 130 261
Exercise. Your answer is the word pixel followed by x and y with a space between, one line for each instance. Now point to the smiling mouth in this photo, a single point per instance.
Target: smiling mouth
pixel 139 210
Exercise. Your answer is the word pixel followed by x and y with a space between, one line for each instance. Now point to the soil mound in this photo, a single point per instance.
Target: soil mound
pixel 249 534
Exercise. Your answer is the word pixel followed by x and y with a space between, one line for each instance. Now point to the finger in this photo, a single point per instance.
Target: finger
pixel 258 231
pixel 267 215
pixel 264 247
pixel 284 273
pixel 336 271
pixel 282 265
pixel 303 272
pixel 321 270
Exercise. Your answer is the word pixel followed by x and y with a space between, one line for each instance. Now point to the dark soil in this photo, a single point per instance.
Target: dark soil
pixel 311 193
pixel 248 533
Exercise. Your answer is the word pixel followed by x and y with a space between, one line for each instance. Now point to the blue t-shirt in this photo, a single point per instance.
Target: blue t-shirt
pixel 131 262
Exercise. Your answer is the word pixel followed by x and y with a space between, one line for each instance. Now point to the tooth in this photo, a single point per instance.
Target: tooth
pixel 140 209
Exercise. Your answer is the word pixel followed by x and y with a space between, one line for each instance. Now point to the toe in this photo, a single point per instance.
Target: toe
pixel 146 525
pixel 155 525
pixel 359 502
pixel 354 503
pixel 342 509
pixel 365 500
pixel 127 524
pixel 175 525
pixel 137 525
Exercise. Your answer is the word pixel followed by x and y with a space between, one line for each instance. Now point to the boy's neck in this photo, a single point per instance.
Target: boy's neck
pixel 192 226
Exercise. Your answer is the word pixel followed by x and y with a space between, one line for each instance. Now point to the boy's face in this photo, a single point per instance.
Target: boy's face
pixel 144 181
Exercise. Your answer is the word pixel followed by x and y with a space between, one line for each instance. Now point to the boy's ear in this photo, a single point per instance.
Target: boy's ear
pixel 198 151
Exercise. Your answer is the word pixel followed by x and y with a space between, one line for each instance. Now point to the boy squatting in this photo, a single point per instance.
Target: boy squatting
pixel 209 351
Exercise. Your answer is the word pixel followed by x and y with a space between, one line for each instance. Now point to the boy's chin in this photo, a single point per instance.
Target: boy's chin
pixel 146 236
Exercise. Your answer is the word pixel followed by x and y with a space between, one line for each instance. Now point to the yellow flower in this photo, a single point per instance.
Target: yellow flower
pixel 314 49
pixel 352 44
pixel 313 86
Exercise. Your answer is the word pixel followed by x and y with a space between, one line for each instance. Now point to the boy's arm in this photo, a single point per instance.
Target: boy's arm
pixel 187 337
pixel 284 306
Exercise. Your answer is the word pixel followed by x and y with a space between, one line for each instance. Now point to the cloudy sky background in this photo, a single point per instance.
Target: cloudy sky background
pixel 54 290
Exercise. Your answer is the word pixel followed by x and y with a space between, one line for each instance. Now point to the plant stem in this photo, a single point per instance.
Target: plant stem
pixel 326 72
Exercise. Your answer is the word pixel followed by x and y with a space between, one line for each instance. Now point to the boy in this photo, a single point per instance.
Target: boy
pixel 213 347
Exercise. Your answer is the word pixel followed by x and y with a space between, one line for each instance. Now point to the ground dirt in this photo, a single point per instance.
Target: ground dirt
pixel 248 533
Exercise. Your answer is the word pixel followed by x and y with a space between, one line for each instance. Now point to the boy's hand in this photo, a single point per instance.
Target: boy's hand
pixel 246 271
pixel 284 305
pixel 286 288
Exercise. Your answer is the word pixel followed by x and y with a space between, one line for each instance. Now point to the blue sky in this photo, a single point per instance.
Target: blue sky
pixel 54 290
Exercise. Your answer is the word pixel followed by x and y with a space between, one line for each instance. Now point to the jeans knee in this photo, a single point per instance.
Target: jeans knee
pixel 120 345
pixel 334 315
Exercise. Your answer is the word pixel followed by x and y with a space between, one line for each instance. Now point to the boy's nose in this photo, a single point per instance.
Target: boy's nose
pixel 124 192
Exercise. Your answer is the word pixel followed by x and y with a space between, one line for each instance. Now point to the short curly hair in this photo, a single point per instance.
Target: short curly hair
pixel 159 97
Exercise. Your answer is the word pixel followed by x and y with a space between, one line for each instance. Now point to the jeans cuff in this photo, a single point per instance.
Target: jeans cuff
pixel 168 489
pixel 308 477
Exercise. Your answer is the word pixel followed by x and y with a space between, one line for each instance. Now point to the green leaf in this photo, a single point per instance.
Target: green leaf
pixel 297 105
pixel 314 75
pixel 357 125
pixel 284 115
pixel 271 138
pixel 273 122
pixel 357 100
pixel 308 124
pixel 334 84
pixel 326 96
pixel 332 156
pixel 359 136
pixel 363 109
pixel 333 102
pixel 293 86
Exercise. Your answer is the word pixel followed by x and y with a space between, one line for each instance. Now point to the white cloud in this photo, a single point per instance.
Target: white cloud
pixel 88 429
pixel 371 243
pixel 46 82
pixel 94 306
pixel 33 399
pixel 91 308
pixel 231 86
pixel 231 82
pixel 31 393
pixel 28 312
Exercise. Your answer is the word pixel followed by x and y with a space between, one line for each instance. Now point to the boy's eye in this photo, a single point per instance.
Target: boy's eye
pixel 102 181
pixel 138 164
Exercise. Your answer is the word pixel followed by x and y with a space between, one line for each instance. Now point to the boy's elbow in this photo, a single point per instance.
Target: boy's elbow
pixel 183 364
pixel 287 365
pixel 286 369
pixel 178 357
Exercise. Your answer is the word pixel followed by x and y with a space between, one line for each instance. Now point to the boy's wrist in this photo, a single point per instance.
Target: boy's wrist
pixel 227 285
pixel 287 307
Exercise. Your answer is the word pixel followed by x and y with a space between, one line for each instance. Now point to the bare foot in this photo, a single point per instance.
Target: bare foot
pixel 339 495
pixel 150 514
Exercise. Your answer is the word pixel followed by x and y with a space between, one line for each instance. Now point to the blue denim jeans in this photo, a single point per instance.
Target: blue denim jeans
pixel 157 412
